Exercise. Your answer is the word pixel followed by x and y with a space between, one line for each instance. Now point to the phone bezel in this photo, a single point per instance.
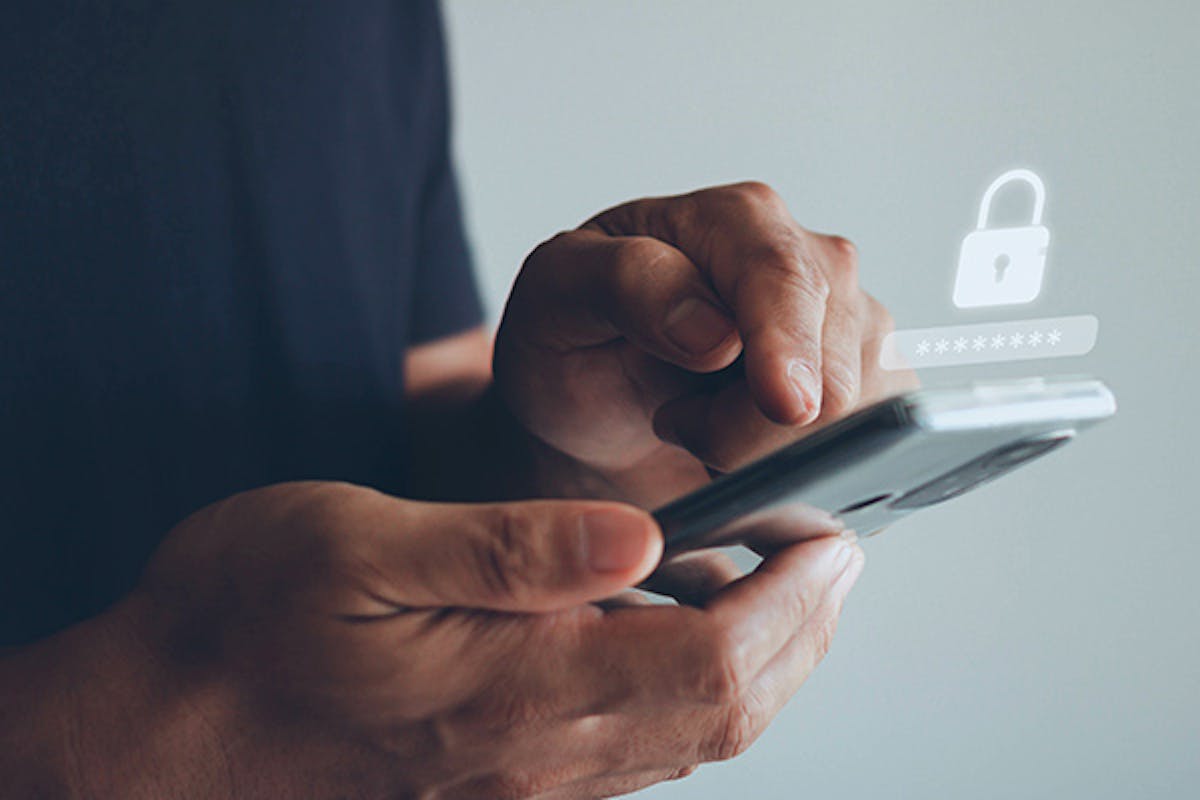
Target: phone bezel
pixel 692 520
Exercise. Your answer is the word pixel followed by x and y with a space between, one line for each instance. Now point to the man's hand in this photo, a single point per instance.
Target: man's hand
pixel 324 640
pixel 612 332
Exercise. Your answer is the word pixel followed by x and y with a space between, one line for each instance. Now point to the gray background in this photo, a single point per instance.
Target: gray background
pixel 1038 638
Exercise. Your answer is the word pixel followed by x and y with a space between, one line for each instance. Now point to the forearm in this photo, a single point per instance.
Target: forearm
pixel 91 713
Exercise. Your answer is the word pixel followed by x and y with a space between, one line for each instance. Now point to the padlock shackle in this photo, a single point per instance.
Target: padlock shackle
pixel 1039 195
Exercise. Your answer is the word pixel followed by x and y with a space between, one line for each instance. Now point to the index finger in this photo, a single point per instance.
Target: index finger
pixel 765 268
pixel 666 660
pixel 663 655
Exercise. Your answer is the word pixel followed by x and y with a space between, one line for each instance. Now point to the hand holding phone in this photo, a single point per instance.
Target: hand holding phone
pixel 882 463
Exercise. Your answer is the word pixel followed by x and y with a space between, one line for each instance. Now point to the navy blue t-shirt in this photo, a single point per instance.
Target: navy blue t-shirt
pixel 221 224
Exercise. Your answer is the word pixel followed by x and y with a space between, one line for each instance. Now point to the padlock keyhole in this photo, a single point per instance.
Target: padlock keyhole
pixel 1001 264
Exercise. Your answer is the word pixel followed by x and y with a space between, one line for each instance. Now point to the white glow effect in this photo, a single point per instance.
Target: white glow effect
pixel 959 345
pixel 1003 266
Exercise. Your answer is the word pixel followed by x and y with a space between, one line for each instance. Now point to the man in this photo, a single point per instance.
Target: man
pixel 235 280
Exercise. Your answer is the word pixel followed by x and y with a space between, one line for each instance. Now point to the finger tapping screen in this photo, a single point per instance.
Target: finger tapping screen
pixel 1020 182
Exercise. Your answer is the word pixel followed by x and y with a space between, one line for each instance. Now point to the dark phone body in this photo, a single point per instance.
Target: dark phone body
pixel 884 462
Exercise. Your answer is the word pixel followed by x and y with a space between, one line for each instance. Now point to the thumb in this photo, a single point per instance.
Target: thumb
pixel 541 555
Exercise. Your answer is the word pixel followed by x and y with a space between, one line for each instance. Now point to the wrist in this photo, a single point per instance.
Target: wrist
pixel 97 712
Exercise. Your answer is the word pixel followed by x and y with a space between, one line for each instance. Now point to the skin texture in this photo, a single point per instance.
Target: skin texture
pixel 782 337
pixel 321 640
pixel 326 640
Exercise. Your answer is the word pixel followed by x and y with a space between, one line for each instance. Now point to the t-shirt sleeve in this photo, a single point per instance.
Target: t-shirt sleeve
pixel 445 298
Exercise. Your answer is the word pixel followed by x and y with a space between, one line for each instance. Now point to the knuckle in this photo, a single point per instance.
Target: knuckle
pixel 638 252
pixel 682 772
pixel 845 257
pixel 310 546
pixel 841 386
pixel 782 274
pixel 508 556
pixel 783 255
pixel 803 330
pixel 822 633
pixel 736 730
pixel 723 672
pixel 756 192
pixel 327 503
pixel 845 247
pixel 816 282
pixel 633 259
pixel 319 525
pixel 799 608
pixel 790 266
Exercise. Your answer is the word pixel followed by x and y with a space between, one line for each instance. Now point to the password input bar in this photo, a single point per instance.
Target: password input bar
pixel 959 345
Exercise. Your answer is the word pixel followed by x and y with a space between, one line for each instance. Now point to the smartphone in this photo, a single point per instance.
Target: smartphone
pixel 886 461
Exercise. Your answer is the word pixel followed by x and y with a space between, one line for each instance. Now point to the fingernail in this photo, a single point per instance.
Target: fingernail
pixel 849 536
pixel 613 541
pixel 696 326
pixel 844 553
pixel 806 386
pixel 849 568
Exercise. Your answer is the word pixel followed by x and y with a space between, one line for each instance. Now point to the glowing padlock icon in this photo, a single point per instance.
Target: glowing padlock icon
pixel 1003 266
